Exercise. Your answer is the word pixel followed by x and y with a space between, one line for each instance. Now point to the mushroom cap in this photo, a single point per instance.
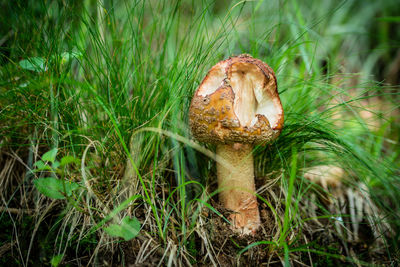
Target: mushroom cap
pixel 237 102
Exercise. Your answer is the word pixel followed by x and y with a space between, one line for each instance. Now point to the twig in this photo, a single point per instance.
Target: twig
pixel 17 211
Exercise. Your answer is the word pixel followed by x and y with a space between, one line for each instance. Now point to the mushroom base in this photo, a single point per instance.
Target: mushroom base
pixel 237 187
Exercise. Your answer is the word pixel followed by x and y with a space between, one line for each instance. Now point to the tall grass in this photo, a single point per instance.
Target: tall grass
pixel 118 102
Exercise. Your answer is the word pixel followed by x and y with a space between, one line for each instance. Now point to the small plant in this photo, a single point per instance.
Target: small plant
pixel 54 187
pixel 40 64
pixel 36 64
pixel 57 187
pixel 56 260
pixel 128 229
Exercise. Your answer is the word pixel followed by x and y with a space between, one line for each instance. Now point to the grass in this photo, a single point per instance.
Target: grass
pixel 109 83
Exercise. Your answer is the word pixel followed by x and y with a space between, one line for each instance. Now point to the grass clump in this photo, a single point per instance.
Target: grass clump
pixel 107 85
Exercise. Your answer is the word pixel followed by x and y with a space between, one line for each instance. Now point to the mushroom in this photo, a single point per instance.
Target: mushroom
pixel 236 107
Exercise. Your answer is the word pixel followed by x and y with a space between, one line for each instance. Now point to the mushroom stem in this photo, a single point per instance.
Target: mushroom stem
pixel 237 186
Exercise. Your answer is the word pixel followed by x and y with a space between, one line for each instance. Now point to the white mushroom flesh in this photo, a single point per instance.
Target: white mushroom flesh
pixel 247 82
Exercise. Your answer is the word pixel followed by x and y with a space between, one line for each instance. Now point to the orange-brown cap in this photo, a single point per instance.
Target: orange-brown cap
pixel 237 102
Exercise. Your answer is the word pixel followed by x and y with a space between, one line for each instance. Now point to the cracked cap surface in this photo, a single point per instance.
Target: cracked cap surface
pixel 237 102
